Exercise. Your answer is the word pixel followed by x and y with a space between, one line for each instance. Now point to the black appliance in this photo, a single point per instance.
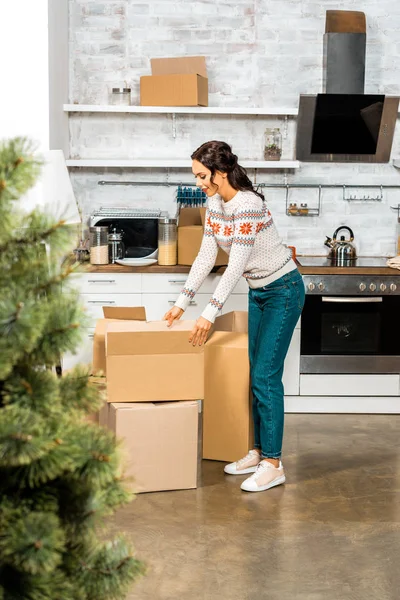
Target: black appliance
pixel 350 322
pixel 139 228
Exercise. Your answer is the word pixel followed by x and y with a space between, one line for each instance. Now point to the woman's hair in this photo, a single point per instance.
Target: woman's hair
pixel 218 156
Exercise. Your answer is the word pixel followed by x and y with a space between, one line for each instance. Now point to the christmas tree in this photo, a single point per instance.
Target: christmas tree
pixel 60 475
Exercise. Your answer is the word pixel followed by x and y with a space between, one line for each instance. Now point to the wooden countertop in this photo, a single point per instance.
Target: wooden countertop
pixel 183 269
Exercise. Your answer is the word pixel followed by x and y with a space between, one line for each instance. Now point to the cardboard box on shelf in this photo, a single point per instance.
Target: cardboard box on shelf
pixel 111 313
pixel 227 417
pixel 190 235
pixel 175 82
pixel 150 361
pixel 161 441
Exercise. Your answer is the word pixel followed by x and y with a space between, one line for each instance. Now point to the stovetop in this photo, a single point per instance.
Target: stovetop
pixel 324 261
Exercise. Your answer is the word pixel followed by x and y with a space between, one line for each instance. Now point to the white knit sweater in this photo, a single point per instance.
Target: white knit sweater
pixel 244 228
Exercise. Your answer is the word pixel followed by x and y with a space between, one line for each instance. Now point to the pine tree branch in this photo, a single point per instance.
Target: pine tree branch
pixel 35 238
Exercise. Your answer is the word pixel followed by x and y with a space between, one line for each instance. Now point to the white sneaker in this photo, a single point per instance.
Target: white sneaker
pixel 266 476
pixel 247 464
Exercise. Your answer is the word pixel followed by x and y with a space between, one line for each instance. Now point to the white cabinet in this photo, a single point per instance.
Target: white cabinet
pixel 236 302
pixel 107 283
pixel 84 352
pixel 291 372
pixel 165 283
pixel 349 385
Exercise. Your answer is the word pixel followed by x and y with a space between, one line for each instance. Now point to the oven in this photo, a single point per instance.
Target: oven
pixel 350 324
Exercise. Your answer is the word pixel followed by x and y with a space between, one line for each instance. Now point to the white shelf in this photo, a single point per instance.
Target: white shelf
pixel 177 163
pixel 396 163
pixel 196 110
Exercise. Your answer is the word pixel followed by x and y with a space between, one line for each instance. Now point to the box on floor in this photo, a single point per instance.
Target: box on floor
pixel 190 235
pixel 227 418
pixel 160 442
pixel 111 313
pixel 149 361
pixel 175 82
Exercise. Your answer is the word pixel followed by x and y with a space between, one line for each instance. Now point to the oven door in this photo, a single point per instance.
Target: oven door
pixel 350 334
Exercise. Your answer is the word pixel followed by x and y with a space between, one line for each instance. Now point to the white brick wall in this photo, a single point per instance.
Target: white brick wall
pixel 259 53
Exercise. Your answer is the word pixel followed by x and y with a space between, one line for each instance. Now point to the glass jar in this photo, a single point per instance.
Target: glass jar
pixel 121 96
pixel 167 241
pixel 272 144
pixel 98 245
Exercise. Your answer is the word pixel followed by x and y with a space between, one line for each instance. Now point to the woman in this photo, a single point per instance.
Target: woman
pixel 239 221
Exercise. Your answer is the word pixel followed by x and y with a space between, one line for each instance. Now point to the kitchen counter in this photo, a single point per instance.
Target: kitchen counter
pixel 311 270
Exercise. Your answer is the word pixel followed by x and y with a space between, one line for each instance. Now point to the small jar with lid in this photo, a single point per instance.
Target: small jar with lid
pixel 120 96
pixel 272 144
pixel 98 245
pixel 167 241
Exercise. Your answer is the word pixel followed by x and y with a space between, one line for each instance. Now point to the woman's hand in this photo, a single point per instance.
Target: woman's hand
pixel 200 331
pixel 174 314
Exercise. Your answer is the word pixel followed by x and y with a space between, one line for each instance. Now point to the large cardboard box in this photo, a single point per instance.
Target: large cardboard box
pixel 175 82
pixel 150 361
pixel 227 419
pixel 111 313
pixel 190 235
pixel 160 443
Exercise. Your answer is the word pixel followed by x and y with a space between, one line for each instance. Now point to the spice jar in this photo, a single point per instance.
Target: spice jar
pixel 167 241
pixel 121 96
pixel 272 144
pixel 293 210
pixel 303 209
pixel 98 245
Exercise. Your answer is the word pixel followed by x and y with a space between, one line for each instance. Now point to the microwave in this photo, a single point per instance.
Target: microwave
pixel 139 228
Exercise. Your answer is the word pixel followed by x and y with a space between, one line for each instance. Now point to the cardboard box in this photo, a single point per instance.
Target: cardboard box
pixel 148 362
pixel 190 235
pixel 111 313
pixel 160 443
pixel 227 418
pixel 175 82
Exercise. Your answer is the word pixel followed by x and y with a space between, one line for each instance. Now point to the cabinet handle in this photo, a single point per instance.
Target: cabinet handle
pixel 101 280
pixel 191 303
pixel 102 302
pixel 91 336
pixel 177 281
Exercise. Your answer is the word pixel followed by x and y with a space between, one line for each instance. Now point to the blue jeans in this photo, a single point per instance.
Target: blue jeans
pixel 273 313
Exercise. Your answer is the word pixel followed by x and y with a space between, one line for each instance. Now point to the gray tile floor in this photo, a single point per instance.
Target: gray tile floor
pixel 332 532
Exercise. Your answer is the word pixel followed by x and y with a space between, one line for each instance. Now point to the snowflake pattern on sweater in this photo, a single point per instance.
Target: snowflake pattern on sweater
pixel 244 228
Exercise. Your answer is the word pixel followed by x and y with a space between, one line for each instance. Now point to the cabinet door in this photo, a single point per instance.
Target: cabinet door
pixel 157 305
pixel 291 372
pixel 106 283
pixel 94 303
pixel 236 302
pixel 160 283
pixel 84 352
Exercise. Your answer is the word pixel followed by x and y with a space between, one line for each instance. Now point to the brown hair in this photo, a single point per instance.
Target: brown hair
pixel 218 156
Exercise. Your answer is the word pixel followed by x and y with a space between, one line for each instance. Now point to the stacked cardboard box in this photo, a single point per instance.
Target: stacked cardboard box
pixel 190 235
pixel 154 381
pixel 175 82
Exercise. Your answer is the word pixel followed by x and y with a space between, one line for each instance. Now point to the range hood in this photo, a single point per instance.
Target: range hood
pixel 343 124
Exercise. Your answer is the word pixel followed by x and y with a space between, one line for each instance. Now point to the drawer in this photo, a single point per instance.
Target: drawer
pixel 349 385
pixel 109 283
pixel 94 303
pixel 173 282
pixel 158 304
pixel 84 352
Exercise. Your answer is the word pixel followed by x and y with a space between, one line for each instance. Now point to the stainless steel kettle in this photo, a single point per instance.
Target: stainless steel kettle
pixel 343 252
